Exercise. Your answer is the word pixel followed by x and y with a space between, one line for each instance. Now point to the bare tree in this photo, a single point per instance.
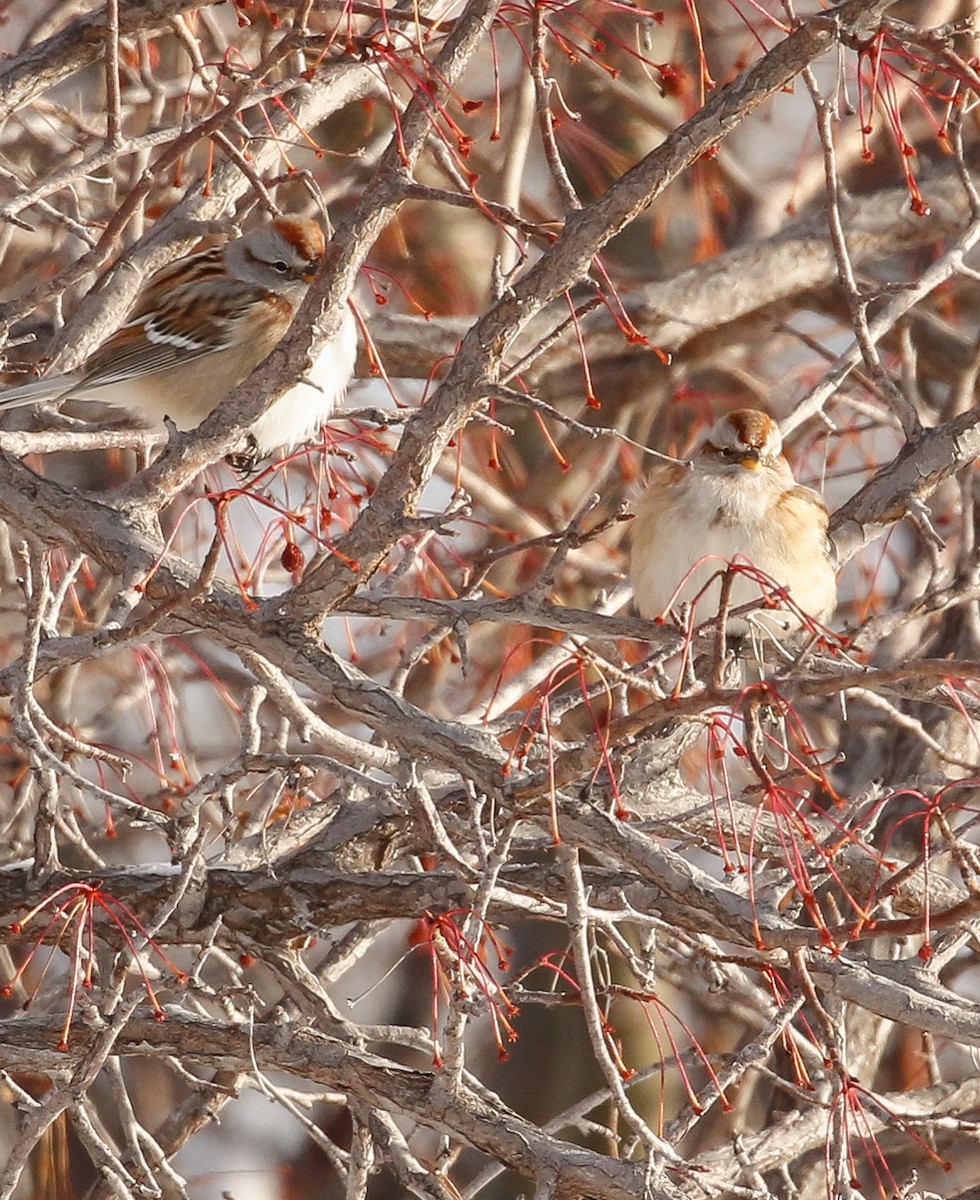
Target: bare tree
pixel 353 785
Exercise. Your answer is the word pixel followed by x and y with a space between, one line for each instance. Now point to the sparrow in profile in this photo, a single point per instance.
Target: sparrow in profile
pixel 739 503
pixel 198 329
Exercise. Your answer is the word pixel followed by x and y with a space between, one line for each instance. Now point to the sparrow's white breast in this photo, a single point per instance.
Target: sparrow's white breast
pixel 687 516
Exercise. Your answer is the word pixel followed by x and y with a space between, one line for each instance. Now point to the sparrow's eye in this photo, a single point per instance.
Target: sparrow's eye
pixel 280 267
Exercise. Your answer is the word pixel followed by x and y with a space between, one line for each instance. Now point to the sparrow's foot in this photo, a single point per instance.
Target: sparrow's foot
pixel 244 461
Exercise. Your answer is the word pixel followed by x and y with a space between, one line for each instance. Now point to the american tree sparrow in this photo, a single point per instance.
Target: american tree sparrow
pixel 740 502
pixel 200 326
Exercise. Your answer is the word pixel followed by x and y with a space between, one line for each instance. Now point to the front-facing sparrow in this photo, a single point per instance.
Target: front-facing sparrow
pixel 741 504
pixel 198 329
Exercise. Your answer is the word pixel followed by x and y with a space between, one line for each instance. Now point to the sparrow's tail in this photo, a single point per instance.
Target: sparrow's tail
pixel 36 392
